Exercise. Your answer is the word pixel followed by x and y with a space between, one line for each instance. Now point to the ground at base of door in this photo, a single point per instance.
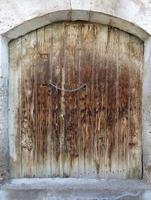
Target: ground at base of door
pixel 74 189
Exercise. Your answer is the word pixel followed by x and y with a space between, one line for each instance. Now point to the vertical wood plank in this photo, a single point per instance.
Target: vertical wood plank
pixel 28 122
pixel 57 126
pixel 111 101
pixel 71 56
pixel 15 108
pixel 100 106
pixel 48 36
pixel 43 110
pixel 86 98
pixel 123 102
pixel 136 55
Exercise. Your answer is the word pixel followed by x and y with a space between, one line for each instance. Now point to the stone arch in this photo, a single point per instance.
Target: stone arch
pixel 75 15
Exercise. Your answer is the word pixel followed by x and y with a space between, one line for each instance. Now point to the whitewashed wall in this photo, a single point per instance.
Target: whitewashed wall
pixel 15 12
pixel 18 17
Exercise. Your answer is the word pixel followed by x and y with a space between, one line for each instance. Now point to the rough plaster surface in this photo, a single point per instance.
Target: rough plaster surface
pixel 146 112
pixel 39 13
pixel 3 108
pixel 15 12
pixel 3 130
pixel 134 12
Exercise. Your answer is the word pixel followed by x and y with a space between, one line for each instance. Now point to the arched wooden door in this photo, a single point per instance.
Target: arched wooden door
pixel 94 131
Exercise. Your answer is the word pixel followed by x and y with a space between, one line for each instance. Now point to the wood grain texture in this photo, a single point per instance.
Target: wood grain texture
pixel 71 136
pixel 135 142
pixel 100 103
pixel 57 65
pixel 123 101
pixel 92 132
pixel 112 52
pixel 43 101
pixel 28 121
pixel 15 108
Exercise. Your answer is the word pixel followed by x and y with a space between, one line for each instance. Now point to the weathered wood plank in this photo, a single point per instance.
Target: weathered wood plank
pixel 48 36
pixel 100 107
pixel 86 76
pixel 71 137
pixel 15 108
pixel 57 126
pixel 43 110
pixel 111 100
pixel 70 101
pixel 136 54
pixel 123 102
pixel 28 122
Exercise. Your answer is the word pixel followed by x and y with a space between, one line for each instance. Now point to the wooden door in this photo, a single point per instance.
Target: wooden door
pixel 87 122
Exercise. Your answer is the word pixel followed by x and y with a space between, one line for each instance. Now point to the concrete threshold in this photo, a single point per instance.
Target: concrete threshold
pixel 74 189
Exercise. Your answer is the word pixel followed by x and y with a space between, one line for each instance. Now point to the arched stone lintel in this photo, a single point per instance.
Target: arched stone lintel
pixel 74 15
